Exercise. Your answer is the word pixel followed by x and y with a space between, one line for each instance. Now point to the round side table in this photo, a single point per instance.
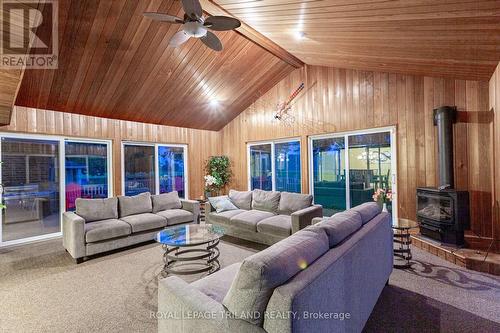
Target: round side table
pixel 402 242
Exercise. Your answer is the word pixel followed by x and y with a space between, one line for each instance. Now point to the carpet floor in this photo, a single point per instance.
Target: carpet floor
pixel 41 289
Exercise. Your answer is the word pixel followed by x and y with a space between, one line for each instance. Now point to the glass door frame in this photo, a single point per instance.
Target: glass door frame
pixel 62 178
pixel 156 163
pixel 273 162
pixel 393 132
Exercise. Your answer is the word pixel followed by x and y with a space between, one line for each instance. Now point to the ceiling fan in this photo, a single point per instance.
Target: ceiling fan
pixel 195 25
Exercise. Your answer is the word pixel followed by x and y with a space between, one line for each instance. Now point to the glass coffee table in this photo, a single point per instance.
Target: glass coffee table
pixel 190 249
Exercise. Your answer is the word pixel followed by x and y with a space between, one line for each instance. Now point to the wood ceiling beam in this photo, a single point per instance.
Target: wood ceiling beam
pixel 212 9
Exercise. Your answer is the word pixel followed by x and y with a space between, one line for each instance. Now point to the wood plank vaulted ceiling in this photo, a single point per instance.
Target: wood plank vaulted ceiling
pixel 454 38
pixel 115 63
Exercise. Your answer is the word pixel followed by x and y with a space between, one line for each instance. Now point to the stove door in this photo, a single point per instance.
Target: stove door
pixel 435 207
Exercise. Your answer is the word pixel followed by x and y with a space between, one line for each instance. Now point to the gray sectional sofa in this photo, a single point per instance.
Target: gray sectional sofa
pixel 265 216
pixel 324 278
pixel 101 225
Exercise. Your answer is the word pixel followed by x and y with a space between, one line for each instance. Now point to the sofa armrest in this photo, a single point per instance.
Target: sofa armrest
pixel 317 220
pixel 73 230
pixel 192 206
pixel 183 308
pixel 303 217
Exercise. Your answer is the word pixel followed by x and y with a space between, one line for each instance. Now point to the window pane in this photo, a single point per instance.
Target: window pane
pixel 260 167
pixel 369 164
pixel 171 169
pixel 329 174
pixel 30 176
pixel 86 166
pixel 139 169
pixel 287 166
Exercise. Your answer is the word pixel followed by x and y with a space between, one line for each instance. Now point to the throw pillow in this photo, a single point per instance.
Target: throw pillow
pixel 222 204
pixel 97 209
pixel 166 201
pixel 267 201
pixel 293 202
pixel 241 199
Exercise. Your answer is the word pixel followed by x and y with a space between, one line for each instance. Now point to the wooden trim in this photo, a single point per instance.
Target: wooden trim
pixel 253 35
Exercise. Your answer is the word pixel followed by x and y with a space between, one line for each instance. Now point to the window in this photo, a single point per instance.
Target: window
pixel 275 166
pixel 86 171
pixel 347 169
pixel 154 168
pixel 139 166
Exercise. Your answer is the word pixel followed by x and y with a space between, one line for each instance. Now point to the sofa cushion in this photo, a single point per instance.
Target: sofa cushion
pixel 222 203
pixel 340 226
pixel 260 273
pixel 279 225
pixel 249 219
pixel 136 204
pixel 368 211
pixel 166 201
pixel 176 216
pixel 293 202
pixel 241 199
pixel 97 209
pixel 267 201
pixel 217 285
pixel 106 229
pixel 145 221
pixel 226 216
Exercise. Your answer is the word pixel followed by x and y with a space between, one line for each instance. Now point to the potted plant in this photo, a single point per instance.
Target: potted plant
pixel 384 197
pixel 218 175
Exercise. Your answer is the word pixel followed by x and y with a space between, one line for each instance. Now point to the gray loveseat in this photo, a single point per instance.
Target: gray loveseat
pixel 101 225
pixel 325 278
pixel 265 216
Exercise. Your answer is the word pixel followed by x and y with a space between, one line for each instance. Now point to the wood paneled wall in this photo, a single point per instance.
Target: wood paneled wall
pixel 495 107
pixel 201 144
pixel 336 100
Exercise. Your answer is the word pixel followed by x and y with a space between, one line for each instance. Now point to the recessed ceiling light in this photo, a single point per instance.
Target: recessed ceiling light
pixel 300 35
pixel 214 102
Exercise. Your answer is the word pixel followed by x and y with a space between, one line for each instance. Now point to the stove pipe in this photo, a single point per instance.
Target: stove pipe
pixel 444 117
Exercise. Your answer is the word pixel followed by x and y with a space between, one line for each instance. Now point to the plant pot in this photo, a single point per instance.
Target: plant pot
pixel 384 208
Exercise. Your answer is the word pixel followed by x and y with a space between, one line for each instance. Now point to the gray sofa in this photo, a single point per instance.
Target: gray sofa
pixel 265 216
pixel 101 225
pixel 325 278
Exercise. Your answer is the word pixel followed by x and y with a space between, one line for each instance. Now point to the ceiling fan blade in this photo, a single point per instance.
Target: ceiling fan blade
pixel 178 39
pixel 192 8
pixel 212 41
pixel 163 17
pixel 222 23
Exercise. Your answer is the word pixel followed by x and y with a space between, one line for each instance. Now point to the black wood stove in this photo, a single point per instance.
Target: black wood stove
pixel 443 212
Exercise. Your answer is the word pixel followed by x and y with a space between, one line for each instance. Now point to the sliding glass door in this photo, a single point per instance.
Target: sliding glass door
pixel 42 176
pixel 171 167
pixel 86 171
pixel 275 166
pixel 139 166
pixel 31 188
pixel 261 160
pixel 347 168
pixel 154 168
pixel 370 165
pixel 328 176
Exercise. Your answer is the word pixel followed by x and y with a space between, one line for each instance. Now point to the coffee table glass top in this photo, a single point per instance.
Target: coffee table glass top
pixel 405 224
pixel 189 235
